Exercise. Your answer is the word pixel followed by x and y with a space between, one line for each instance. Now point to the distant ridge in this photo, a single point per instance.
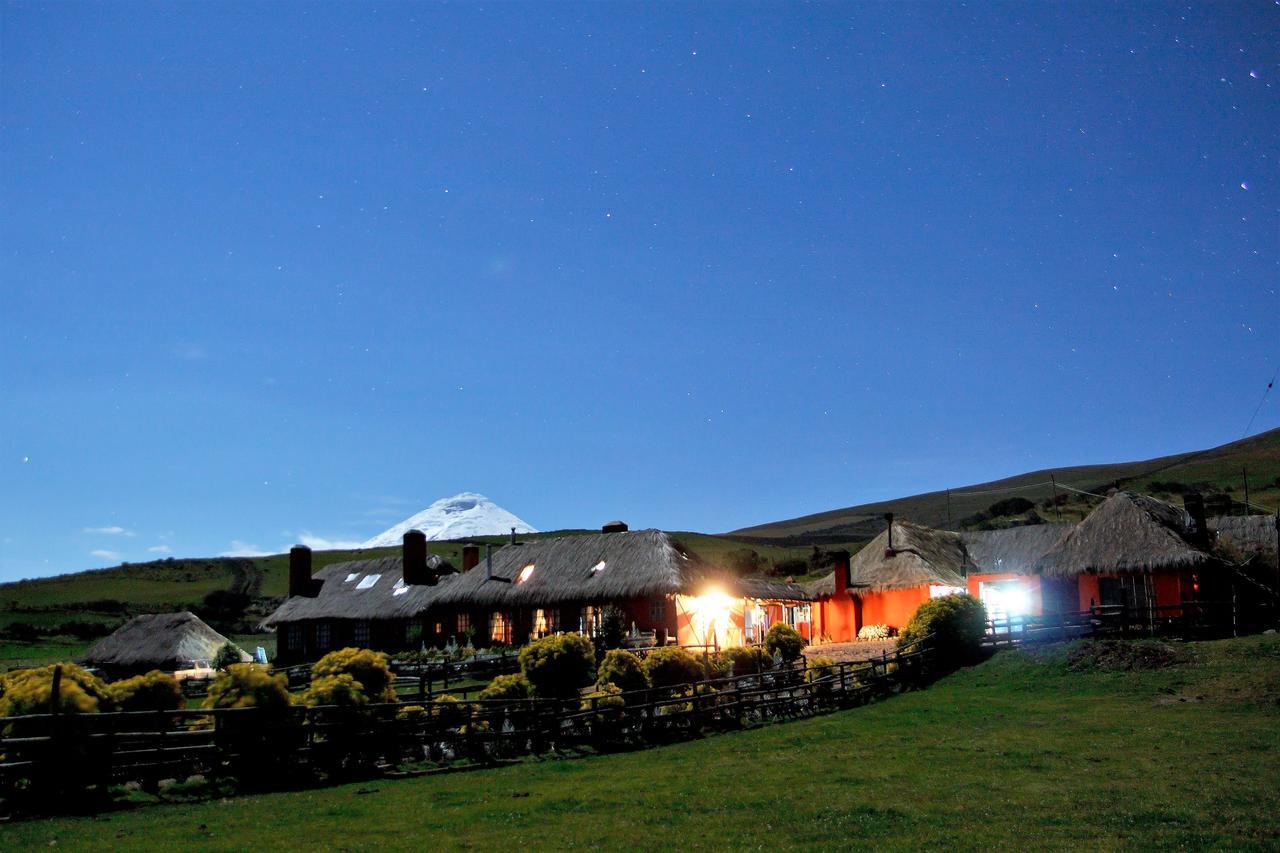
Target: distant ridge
pixel 463 515
pixel 1218 467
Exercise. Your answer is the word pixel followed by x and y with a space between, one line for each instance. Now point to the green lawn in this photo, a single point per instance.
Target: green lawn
pixel 1020 751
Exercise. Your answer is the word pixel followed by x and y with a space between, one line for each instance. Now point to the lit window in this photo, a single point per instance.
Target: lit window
pixel 546 620
pixel 597 568
pixel 361 633
pixel 464 623
pixel 499 627
pixel 525 574
pixel 367 581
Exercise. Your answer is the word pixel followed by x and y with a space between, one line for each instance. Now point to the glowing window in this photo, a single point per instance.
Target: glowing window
pixel 598 567
pixel 367 581
pixel 464 623
pixel 525 574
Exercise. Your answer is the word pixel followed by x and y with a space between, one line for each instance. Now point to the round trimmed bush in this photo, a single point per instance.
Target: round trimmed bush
pixel 747 660
pixel 247 685
pixel 623 670
pixel 952 628
pixel 784 640
pixel 670 666
pixel 340 690
pixel 27 691
pixel 559 665
pixel 372 669
pixel 508 688
pixel 155 691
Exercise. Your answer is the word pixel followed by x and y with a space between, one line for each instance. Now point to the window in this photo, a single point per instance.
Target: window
pixel 293 636
pixel 361 634
pixel 464 623
pixel 323 635
pixel 587 623
pixel 525 574
pixel 546 620
pixel 499 627
pixel 367 581
pixel 657 611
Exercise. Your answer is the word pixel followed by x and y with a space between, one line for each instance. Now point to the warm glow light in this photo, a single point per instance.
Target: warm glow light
pixel 710 616
pixel 525 573
pixel 1007 599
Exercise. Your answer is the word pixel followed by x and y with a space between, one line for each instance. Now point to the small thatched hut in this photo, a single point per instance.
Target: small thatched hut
pixel 889 578
pixel 165 641
pixel 1004 576
pixel 1132 550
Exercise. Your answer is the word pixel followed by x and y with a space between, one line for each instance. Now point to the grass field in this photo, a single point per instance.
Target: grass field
pixel 1020 751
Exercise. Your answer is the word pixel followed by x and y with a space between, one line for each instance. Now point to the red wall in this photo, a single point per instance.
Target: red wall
pixel 893 607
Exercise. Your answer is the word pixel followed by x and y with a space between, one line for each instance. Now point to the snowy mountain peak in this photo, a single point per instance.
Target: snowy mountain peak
pixel 463 515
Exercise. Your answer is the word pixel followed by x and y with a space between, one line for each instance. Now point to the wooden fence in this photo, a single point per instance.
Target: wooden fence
pixel 55 753
pixel 1189 620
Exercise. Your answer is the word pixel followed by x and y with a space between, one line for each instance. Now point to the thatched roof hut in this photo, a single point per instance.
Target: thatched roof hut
pixel 1128 532
pixel 765 589
pixel 1012 549
pixel 164 641
pixel 921 556
pixel 591 567
pixel 365 589
pixel 1249 534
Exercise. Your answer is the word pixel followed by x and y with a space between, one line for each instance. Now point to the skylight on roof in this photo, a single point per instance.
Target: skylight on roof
pixel 525 574
pixel 351 577
pixel 400 588
pixel 368 581
pixel 597 568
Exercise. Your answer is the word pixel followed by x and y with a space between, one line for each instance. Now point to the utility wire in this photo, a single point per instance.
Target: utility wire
pixel 1274 376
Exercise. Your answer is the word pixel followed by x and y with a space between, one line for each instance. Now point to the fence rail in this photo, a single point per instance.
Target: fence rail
pixel 55 753
pixel 1192 619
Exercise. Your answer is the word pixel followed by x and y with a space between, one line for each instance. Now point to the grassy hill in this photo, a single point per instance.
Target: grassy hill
pixel 1050 748
pixel 1216 471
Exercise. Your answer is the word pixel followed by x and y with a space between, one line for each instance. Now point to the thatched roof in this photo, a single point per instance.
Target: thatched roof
pixel 364 589
pixel 1013 549
pixel 921 556
pixel 1250 534
pixel 164 641
pixel 591 567
pixel 1128 532
pixel 765 589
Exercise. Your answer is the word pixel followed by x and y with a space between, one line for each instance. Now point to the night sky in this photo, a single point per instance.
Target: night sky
pixel 285 270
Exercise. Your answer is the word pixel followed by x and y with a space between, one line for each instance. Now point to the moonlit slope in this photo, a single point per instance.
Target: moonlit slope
pixel 463 515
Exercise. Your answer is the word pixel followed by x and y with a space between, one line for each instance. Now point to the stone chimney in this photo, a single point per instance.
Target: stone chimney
pixel 842 572
pixel 470 557
pixel 614 527
pixel 416 572
pixel 300 582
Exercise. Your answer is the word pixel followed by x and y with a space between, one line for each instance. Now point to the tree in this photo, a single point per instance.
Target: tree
pixel 784 640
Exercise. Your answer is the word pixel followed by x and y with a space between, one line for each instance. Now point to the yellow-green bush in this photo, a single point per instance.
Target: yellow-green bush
pixel 558 665
pixel 950 628
pixel 608 696
pixel 155 691
pixel 506 687
pixel 784 640
pixel 450 712
pixel 623 670
pixel 747 660
pixel 335 690
pixel 372 669
pixel 817 668
pixel 672 665
pixel 247 685
pixel 27 691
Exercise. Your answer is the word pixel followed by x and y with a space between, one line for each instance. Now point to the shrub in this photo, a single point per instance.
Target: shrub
pixel 507 687
pixel 613 627
pixel 1009 506
pixel 372 669
pixel 558 665
pixel 623 670
pixel 747 660
pixel 670 666
pixel 27 691
pixel 451 712
pixel 155 691
pixel 335 690
pixel 608 696
pixel 875 632
pixel 954 626
pixel 247 685
pixel 784 640
pixel 226 656
pixel 818 667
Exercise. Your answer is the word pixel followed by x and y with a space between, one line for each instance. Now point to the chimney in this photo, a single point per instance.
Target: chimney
pixel 300 572
pixel 415 560
pixel 470 557
pixel 842 572
pixel 888 551
pixel 614 527
pixel 1199 532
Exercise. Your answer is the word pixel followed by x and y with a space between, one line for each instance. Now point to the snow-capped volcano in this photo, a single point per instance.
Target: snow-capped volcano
pixel 458 517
